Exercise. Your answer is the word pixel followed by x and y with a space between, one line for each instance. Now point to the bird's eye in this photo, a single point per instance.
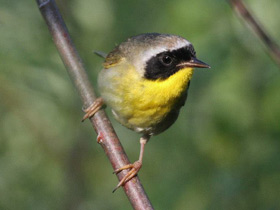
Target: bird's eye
pixel 166 60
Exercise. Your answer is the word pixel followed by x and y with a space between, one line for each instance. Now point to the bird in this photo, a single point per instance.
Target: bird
pixel 145 82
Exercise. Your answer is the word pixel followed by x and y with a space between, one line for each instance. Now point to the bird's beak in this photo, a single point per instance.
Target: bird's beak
pixel 195 63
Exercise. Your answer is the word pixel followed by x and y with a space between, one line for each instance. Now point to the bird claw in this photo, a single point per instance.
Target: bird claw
pixel 93 108
pixel 134 169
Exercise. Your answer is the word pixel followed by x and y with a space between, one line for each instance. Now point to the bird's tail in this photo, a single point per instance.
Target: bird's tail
pixel 100 54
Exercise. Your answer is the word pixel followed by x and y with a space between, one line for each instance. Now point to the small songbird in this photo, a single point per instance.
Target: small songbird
pixel 145 82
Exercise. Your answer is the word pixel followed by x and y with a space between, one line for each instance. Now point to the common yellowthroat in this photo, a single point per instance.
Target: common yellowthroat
pixel 145 81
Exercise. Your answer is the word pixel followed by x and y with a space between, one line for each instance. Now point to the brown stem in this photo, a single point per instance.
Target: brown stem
pixel 107 136
pixel 272 47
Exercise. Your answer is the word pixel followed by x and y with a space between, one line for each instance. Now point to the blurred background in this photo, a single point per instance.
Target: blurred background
pixel 222 153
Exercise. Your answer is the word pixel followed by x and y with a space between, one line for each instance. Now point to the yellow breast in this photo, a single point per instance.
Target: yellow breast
pixel 138 102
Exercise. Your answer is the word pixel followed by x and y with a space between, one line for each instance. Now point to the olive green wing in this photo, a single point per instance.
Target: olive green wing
pixel 113 58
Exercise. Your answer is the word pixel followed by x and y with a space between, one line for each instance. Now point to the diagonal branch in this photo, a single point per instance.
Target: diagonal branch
pixel 273 48
pixel 108 139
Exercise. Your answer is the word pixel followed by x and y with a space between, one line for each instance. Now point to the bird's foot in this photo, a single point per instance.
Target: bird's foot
pixel 93 108
pixel 134 169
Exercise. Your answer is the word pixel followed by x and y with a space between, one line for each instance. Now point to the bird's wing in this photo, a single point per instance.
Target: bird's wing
pixel 113 58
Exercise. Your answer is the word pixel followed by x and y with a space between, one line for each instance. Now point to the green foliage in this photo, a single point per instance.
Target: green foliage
pixel 222 153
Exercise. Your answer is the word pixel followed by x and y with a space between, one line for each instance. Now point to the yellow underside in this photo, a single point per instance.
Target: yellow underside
pixel 140 102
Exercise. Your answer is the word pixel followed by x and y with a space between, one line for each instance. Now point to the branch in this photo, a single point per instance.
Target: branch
pixel 73 63
pixel 273 48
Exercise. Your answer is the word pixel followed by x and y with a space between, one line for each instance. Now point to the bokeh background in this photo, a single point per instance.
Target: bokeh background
pixel 222 153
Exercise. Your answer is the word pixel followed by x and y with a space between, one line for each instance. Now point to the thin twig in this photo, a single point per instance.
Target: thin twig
pixel 272 47
pixel 73 63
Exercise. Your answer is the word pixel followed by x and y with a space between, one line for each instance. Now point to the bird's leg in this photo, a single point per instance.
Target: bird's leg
pixel 136 166
pixel 93 108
